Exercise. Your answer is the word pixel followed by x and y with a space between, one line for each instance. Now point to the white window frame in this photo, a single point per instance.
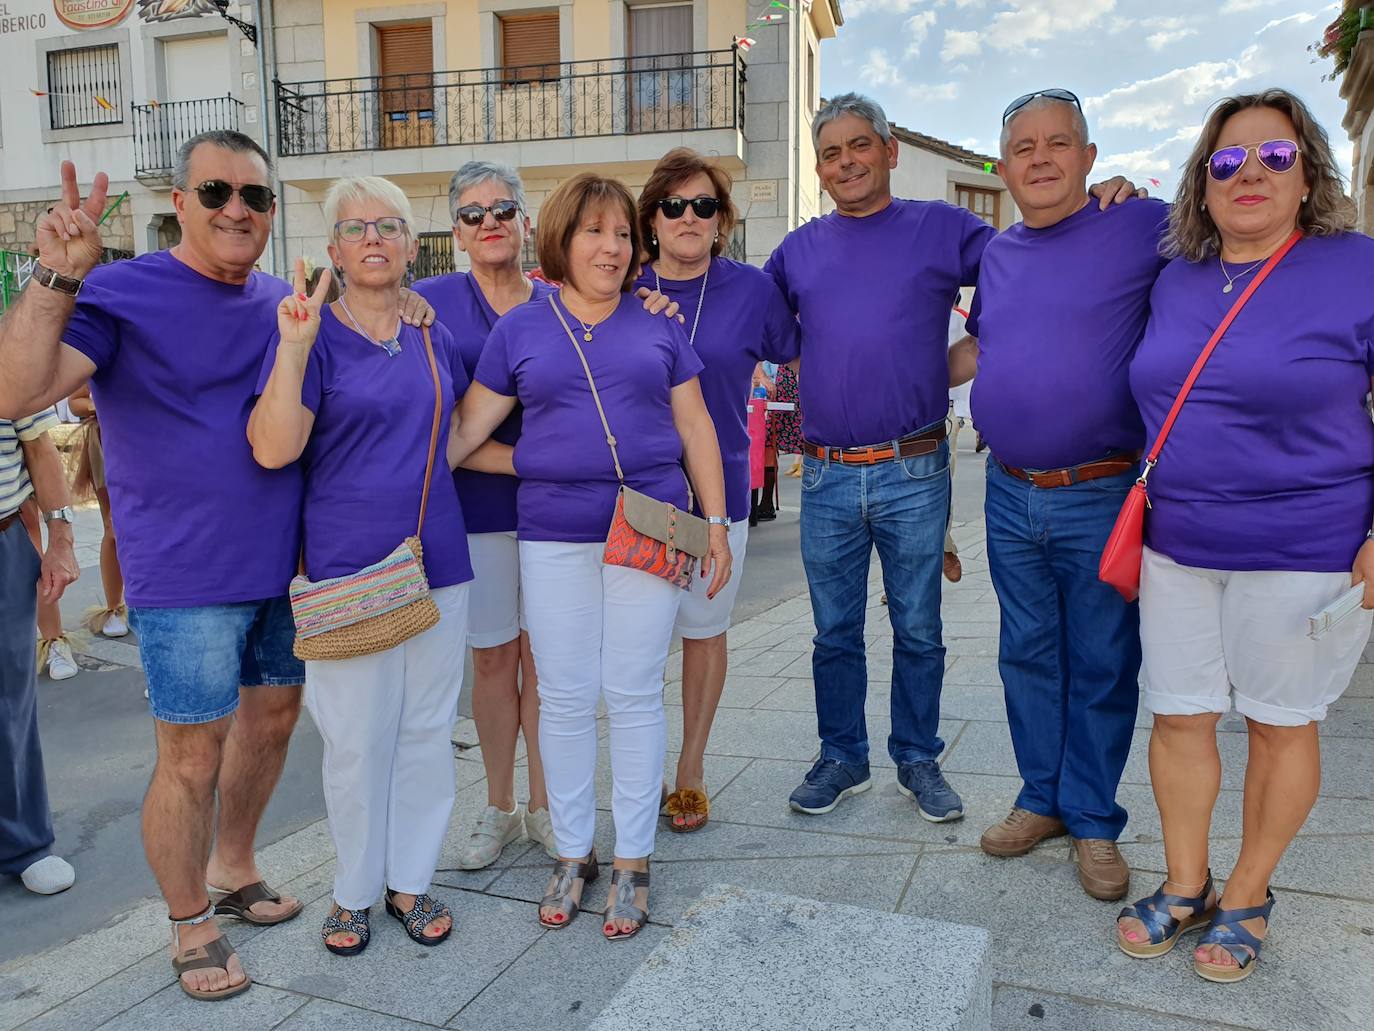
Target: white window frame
pixel 101 37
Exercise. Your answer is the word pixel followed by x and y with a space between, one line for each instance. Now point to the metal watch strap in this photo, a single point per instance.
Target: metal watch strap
pixel 54 280
pixel 719 521
pixel 63 514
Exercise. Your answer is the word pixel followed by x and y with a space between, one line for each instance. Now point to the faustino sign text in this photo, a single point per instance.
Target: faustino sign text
pixel 91 14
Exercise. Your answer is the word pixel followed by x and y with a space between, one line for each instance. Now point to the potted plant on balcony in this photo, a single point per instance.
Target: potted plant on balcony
pixel 1341 36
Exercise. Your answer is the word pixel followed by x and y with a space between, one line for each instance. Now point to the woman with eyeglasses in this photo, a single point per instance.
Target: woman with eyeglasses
pixel 350 391
pixel 1261 508
pixel 735 317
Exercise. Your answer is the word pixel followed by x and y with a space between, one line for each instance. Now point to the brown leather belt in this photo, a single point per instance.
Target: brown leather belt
pixel 1112 465
pixel 5 523
pixel 912 446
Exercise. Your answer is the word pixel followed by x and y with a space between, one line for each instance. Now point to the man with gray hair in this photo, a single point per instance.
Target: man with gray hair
pixel 1061 305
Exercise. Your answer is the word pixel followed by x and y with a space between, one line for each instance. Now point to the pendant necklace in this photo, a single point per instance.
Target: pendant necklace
pixel 588 327
pixel 691 340
pixel 1232 280
pixel 391 345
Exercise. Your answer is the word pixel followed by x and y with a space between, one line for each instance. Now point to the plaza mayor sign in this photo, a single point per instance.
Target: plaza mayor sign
pixel 91 14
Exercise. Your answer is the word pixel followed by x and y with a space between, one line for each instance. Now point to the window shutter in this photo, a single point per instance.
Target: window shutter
pixel 405 56
pixel 529 47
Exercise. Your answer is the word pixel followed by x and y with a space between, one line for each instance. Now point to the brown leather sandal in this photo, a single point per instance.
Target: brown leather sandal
pixel 687 803
pixel 239 903
pixel 213 955
pixel 566 873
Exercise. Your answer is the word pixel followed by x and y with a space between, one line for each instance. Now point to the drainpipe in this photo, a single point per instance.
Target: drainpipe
pixel 262 17
pixel 798 65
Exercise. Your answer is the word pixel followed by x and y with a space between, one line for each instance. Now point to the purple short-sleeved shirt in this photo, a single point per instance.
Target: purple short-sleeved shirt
pixel 177 356
pixel 1058 314
pixel 488 498
pixel 873 295
pixel 744 321
pixel 1271 462
pixel 365 460
pixel 567 479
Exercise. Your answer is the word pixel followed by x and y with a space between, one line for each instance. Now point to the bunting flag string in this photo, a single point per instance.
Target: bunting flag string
pixel 1155 183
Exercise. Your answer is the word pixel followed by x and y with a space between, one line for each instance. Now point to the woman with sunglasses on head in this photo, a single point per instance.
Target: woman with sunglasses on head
pixel 736 317
pixel 351 391
pixel 1261 506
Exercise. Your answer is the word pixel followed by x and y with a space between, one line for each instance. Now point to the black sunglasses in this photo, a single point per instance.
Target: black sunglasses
pixel 474 214
pixel 1053 94
pixel 674 208
pixel 215 193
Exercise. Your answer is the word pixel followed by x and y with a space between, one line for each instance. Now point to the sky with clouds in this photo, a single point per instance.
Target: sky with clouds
pixel 1147 70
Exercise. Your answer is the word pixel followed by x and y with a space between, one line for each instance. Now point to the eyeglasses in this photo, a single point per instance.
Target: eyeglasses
pixel 674 208
pixel 1053 94
pixel 475 214
pixel 215 193
pixel 1275 155
pixel 354 230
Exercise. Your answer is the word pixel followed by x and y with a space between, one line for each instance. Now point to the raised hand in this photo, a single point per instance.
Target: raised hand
pixel 298 316
pixel 67 238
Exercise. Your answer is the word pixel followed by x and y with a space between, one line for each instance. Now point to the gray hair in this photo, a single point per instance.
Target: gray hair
pixel 226 138
pixel 475 173
pixel 1080 123
pixel 850 104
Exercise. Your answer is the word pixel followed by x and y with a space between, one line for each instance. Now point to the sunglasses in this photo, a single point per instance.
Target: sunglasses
pixel 475 214
pixel 1053 94
pixel 1275 155
pixel 354 230
pixel 674 208
pixel 215 193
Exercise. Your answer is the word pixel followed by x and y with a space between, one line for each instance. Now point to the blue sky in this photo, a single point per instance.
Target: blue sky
pixel 1147 71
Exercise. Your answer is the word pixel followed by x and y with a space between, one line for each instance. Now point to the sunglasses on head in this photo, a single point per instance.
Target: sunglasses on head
pixel 475 214
pixel 674 208
pixel 1275 155
pixel 354 230
pixel 215 193
pixel 1053 94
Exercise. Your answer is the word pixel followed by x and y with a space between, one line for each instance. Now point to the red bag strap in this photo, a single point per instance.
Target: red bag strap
pixel 1187 387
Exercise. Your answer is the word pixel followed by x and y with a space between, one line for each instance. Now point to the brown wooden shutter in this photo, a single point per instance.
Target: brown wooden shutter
pixel 405 57
pixel 529 47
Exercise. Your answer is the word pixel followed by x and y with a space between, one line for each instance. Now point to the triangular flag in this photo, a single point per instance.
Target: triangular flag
pixel 989 166
pixel 744 43
pixel 37 92
pixel 779 3
pixel 771 17
pixel 1154 182
pixel 103 102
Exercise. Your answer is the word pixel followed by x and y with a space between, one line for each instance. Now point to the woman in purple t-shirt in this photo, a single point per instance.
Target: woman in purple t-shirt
pixel 597 631
pixel 348 389
pixel 1261 507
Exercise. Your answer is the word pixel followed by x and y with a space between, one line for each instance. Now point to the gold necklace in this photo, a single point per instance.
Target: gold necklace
pixel 1230 279
pixel 588 327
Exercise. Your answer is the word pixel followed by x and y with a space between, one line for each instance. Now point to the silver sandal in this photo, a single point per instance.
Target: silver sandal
pixel 624 884
pixel 566 873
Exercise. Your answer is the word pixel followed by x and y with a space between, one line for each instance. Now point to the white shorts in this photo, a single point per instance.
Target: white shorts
pixel 495 613
pixel 700 617
pixel 1209 634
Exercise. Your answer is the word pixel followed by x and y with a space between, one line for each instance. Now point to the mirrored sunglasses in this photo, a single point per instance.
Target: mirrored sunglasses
pixel 1053 94
pixel 674 208
pixel 475 214
pixel 1275 155
pixel 354 230
pixel 215 194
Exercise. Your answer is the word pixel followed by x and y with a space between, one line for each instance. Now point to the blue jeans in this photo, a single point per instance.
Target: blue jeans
pixel 1070 646
pixel 901 507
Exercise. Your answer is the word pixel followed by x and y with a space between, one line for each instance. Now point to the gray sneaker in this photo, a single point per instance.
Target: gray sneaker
pixel 539 829
pixel 494 831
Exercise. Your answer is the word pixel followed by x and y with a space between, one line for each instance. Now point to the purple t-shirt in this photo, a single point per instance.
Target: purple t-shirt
pixel 1058 314
pixel 567 479
pixel 365 460
pixel 744 321
pixel 873 295
pixel 488 498
pixel 177 356
pixel 1271 462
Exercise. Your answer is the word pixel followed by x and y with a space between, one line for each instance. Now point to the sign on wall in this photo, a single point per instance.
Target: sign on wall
pixel 172 10
pixel 91 14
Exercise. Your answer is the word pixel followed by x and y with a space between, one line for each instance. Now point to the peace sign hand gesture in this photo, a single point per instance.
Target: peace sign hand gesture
pixel 298 316
pixel 67 237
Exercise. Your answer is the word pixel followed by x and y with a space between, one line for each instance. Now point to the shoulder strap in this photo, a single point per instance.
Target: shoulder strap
pixel 610 437
pixel 434 429
pixel 1187 387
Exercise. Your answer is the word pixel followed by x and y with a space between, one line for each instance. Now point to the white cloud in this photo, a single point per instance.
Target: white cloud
pixel 927 91
pixel 1156 103
pixel 855 8
pixel 879 71
pixel 1240 6
pixel 959 44
pixel 1031 21
pixel 1161 39
pixel 917 28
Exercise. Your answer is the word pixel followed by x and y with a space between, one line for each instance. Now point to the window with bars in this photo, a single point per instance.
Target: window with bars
pixel 84 87
pixel 529 47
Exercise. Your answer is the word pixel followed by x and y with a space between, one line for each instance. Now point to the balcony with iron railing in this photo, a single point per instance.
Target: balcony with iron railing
pixel 160 128
pixel 570 100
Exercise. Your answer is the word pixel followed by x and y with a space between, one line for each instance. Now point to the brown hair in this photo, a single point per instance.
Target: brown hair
pixel 1192 233
pixel 562 212
pixel 672 170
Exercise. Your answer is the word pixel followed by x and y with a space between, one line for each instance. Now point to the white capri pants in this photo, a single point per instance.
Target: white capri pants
pixel 598 631
pixel 1207 635
pixel 494 616
pixel 700 617
pixel 387 723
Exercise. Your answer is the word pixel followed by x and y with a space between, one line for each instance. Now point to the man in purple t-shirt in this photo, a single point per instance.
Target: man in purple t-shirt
pixel 1062 302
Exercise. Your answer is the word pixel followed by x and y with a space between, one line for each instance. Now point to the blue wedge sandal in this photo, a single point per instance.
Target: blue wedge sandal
pixel 1163 927
pixel 1227 931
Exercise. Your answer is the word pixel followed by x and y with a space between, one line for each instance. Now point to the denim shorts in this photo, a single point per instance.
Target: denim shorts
pixel 196 659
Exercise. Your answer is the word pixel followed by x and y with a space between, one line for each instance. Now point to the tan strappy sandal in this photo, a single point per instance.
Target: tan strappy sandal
pixel 214 955
pixel 567 873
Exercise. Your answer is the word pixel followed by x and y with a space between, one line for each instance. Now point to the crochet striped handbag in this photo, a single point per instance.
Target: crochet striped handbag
pixel 380 605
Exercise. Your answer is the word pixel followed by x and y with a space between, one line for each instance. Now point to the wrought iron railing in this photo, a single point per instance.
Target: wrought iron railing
pixel 161 128
pixel 611 97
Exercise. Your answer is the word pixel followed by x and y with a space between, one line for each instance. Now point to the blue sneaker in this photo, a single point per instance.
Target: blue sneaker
pixel 935 800
pixel 828 781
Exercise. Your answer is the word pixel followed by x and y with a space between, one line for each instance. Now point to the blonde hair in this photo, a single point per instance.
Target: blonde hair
pixel 361 189
pixel 1192 233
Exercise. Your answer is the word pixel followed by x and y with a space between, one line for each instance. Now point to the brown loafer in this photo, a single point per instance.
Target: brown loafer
pixel 1102 870
pixel 954 569
pixel 1020 832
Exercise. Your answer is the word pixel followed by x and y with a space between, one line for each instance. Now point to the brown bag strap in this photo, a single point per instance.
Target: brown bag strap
pixel 610 437
pixel 434 429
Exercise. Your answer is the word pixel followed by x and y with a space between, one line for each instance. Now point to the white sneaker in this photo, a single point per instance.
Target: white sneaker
pixel 494 831
pixel 48 876
pixel 115 625
pixel 61 663
pixel 539 829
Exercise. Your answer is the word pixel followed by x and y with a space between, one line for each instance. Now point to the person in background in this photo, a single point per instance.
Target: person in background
pixel 959 417
pixel 55 656
pixel 110 619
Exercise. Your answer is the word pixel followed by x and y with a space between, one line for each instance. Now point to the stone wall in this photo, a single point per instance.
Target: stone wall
pixel 17 221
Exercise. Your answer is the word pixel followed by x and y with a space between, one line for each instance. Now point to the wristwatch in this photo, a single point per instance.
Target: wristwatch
pixel 63 514
pixel 44 276
pixel 719 521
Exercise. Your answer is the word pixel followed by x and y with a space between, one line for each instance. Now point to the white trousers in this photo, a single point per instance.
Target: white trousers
pixel 387 723
pixel 598 631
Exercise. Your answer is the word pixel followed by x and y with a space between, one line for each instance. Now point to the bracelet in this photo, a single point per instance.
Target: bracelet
pixel 725 521
pixel 1369 536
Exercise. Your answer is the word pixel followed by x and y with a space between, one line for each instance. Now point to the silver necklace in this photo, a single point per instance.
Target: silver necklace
pixel 391 345
pixel 1232 280
pixel 691 340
